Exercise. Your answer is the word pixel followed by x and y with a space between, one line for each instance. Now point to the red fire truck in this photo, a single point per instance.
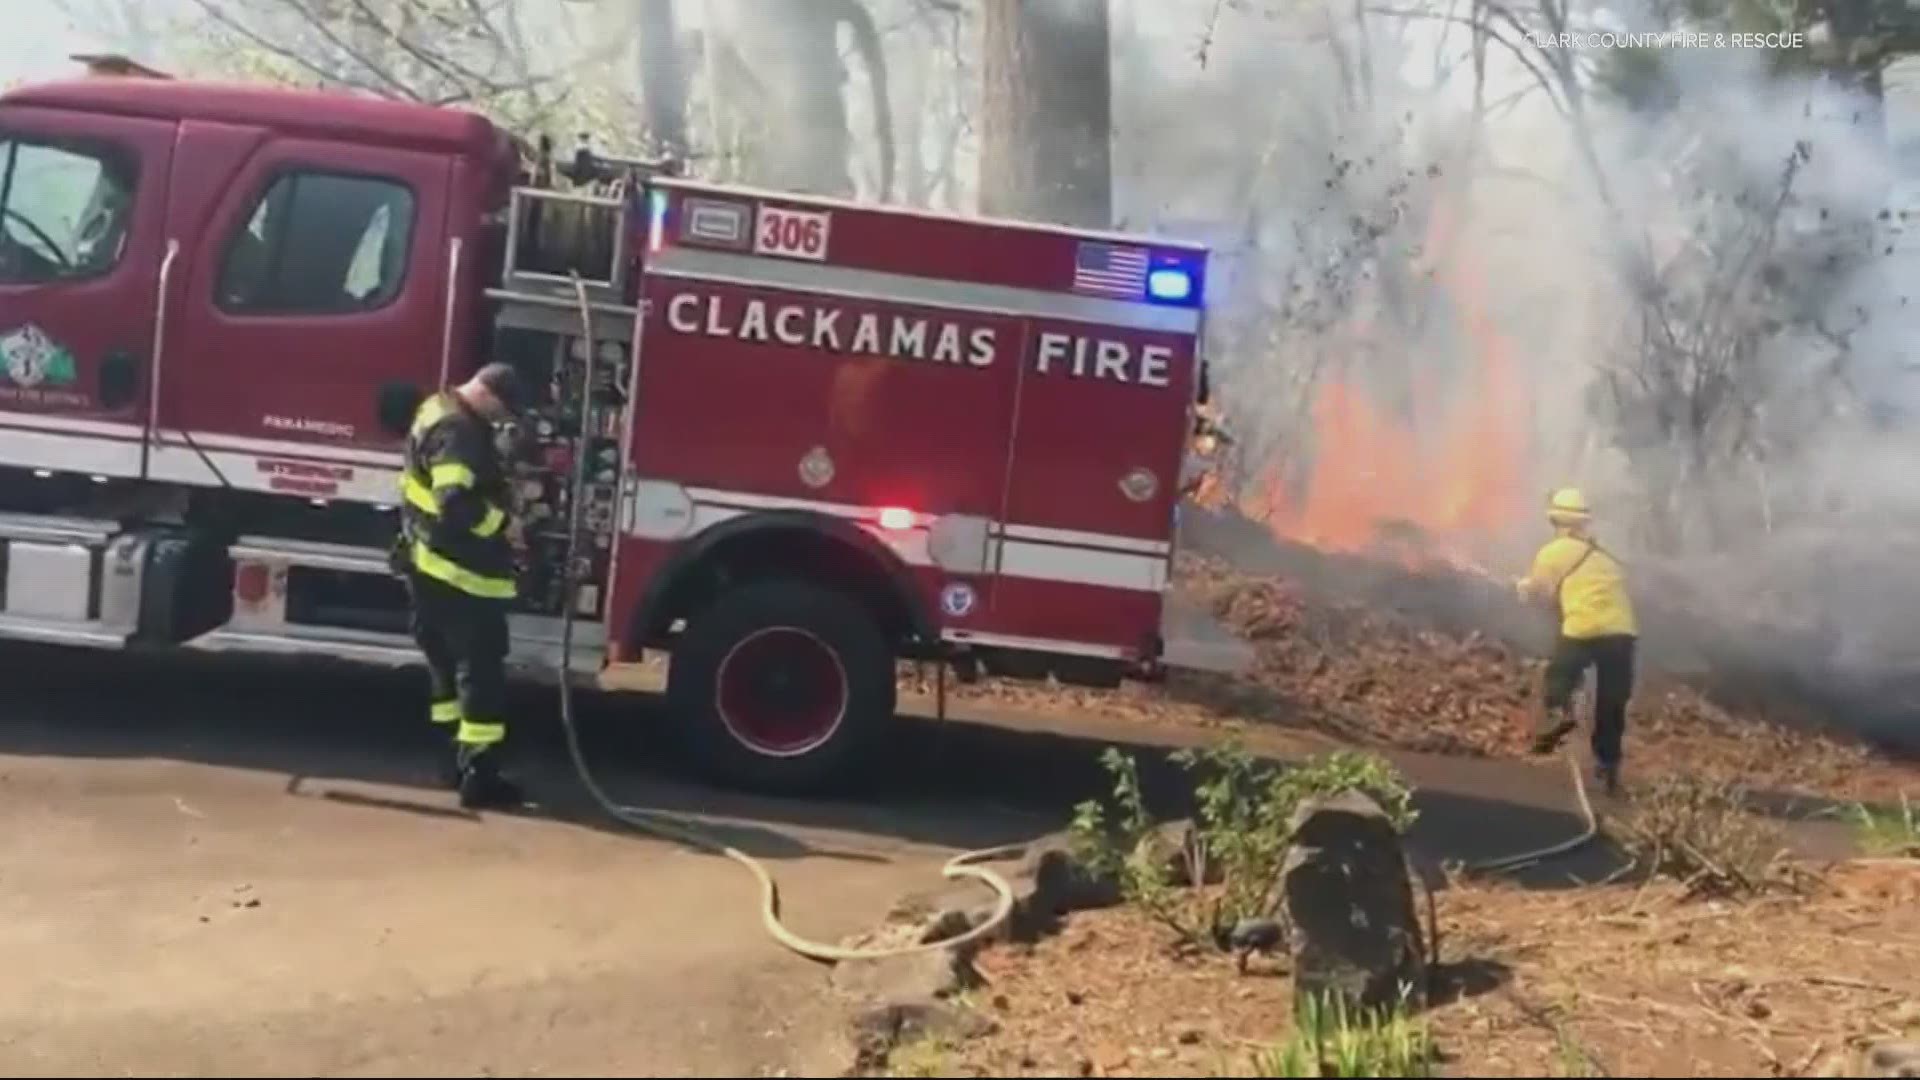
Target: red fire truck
pixel 809 439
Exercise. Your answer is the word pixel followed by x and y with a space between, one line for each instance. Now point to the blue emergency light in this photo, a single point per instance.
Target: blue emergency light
pixel 1170 283
pixel 1174 277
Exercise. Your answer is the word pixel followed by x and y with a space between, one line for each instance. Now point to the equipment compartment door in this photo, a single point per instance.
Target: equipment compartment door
pixel 82 213
pixel 1097 448
pixel 317 279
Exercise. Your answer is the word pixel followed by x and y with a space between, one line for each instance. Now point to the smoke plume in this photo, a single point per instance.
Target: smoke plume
pixel 1670 276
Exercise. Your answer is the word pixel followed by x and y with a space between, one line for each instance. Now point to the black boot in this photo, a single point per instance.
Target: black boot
pixel 481 784
pixel 1555 725
pixel 1608 775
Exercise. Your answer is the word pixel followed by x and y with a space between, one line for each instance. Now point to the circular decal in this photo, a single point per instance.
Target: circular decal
pixel 1139 485
pixel 816 468
pixel 957 599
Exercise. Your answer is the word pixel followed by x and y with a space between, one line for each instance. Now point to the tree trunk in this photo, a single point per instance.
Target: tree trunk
pixel 663 78
pixel 1046 141
pixel 789 53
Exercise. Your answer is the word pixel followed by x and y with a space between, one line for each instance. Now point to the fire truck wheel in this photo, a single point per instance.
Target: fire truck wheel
pixel 781 686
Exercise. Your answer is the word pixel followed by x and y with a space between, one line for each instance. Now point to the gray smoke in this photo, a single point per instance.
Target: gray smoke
pixel 1712 327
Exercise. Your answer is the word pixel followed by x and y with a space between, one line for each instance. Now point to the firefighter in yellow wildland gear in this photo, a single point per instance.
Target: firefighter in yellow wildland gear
pixel 455 555
pixel 1586 587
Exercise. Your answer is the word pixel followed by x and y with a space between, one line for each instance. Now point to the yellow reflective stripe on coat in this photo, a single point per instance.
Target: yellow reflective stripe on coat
pixel 418 495
pixel 445 712
pixel 422 499
pixel 491 523
pixel 450 474
pixel 430 413
pixel 475 733
pixel 438 566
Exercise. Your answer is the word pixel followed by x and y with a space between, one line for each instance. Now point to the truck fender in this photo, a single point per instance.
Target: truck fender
pixel 759 531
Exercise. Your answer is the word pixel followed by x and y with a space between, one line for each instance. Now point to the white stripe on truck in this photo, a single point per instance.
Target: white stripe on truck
pixel 1023 551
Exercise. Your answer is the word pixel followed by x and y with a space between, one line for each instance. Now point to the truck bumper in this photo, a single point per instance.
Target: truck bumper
pixel 1193 640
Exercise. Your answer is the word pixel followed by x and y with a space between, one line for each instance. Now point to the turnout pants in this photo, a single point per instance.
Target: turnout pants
pixel 464 640
pixel 1611 657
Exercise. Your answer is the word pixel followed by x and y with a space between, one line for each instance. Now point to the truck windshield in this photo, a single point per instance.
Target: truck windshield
pixel 63 210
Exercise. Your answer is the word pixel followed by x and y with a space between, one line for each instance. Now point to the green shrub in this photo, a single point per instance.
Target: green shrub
pixel 1241 830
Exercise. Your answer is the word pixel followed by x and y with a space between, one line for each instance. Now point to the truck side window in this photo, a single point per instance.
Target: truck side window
pixel 64 210
pixel 320 243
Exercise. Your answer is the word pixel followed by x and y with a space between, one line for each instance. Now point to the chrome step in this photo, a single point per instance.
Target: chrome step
pixel 47 631
pixel 359 646
pixel 527 659
pixel 41 528
pixel 348 557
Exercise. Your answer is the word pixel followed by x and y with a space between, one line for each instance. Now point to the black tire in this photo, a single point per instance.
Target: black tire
pixel 799 660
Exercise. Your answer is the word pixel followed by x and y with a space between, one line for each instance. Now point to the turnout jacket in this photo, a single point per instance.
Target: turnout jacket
pixel 454 499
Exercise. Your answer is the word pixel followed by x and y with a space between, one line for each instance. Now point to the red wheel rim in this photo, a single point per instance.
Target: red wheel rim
pixel 782 691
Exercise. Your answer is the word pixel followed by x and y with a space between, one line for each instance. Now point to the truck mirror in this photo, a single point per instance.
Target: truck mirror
pixel 394 407
pixel 119 380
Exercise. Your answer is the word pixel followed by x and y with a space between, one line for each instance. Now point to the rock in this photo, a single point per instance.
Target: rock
pixel 1175 840
pixel 877 1030
pixel 916 977
pixel 1062 884
pixel 1350 904
pixel 1894 1058
pixel 949 924
pixel 1052 883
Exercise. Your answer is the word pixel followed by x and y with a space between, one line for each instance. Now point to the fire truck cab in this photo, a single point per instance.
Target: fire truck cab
pixel 811 439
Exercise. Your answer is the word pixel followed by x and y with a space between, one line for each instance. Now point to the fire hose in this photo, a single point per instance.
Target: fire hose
pixel 962 866
pixel 1524 859
pixel 684 831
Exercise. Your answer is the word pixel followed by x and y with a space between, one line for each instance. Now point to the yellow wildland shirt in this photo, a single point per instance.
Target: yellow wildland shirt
pixel 1588 585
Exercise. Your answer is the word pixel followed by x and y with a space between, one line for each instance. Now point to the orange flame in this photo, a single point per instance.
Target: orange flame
pixel 1382 485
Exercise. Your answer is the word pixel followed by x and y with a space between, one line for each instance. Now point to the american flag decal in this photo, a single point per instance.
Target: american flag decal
pixel 1110 270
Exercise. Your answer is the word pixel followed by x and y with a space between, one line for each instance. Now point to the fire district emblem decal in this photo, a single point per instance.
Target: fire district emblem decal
pixel 957 599
pixel 816 468
pixel 29 358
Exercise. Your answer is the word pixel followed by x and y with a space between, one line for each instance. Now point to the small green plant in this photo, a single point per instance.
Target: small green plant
pixel 1122 846
pixel 1242 830
pixel 1889 833
pixel 1331 1039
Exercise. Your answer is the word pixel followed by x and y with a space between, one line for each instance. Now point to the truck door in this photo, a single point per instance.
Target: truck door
pixel 317 279
pixel 82 214
pixel 1097 448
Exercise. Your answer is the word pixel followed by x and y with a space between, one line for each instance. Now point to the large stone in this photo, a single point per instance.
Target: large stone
pixel 921 976
pixel 1350 903
pixel 881 1028
pixel 1894 1059
pixel 926 975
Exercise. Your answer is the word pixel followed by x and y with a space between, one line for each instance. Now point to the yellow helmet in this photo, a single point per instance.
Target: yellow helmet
pixel 1568 506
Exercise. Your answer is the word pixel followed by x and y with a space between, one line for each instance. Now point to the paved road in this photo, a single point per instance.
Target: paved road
pixel 209 868
pixel 219 870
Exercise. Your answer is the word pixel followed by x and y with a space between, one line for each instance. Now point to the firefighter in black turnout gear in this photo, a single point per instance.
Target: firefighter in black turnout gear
pixel 455 555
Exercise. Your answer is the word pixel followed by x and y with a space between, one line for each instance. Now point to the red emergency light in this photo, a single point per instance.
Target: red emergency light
pixel 896 517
